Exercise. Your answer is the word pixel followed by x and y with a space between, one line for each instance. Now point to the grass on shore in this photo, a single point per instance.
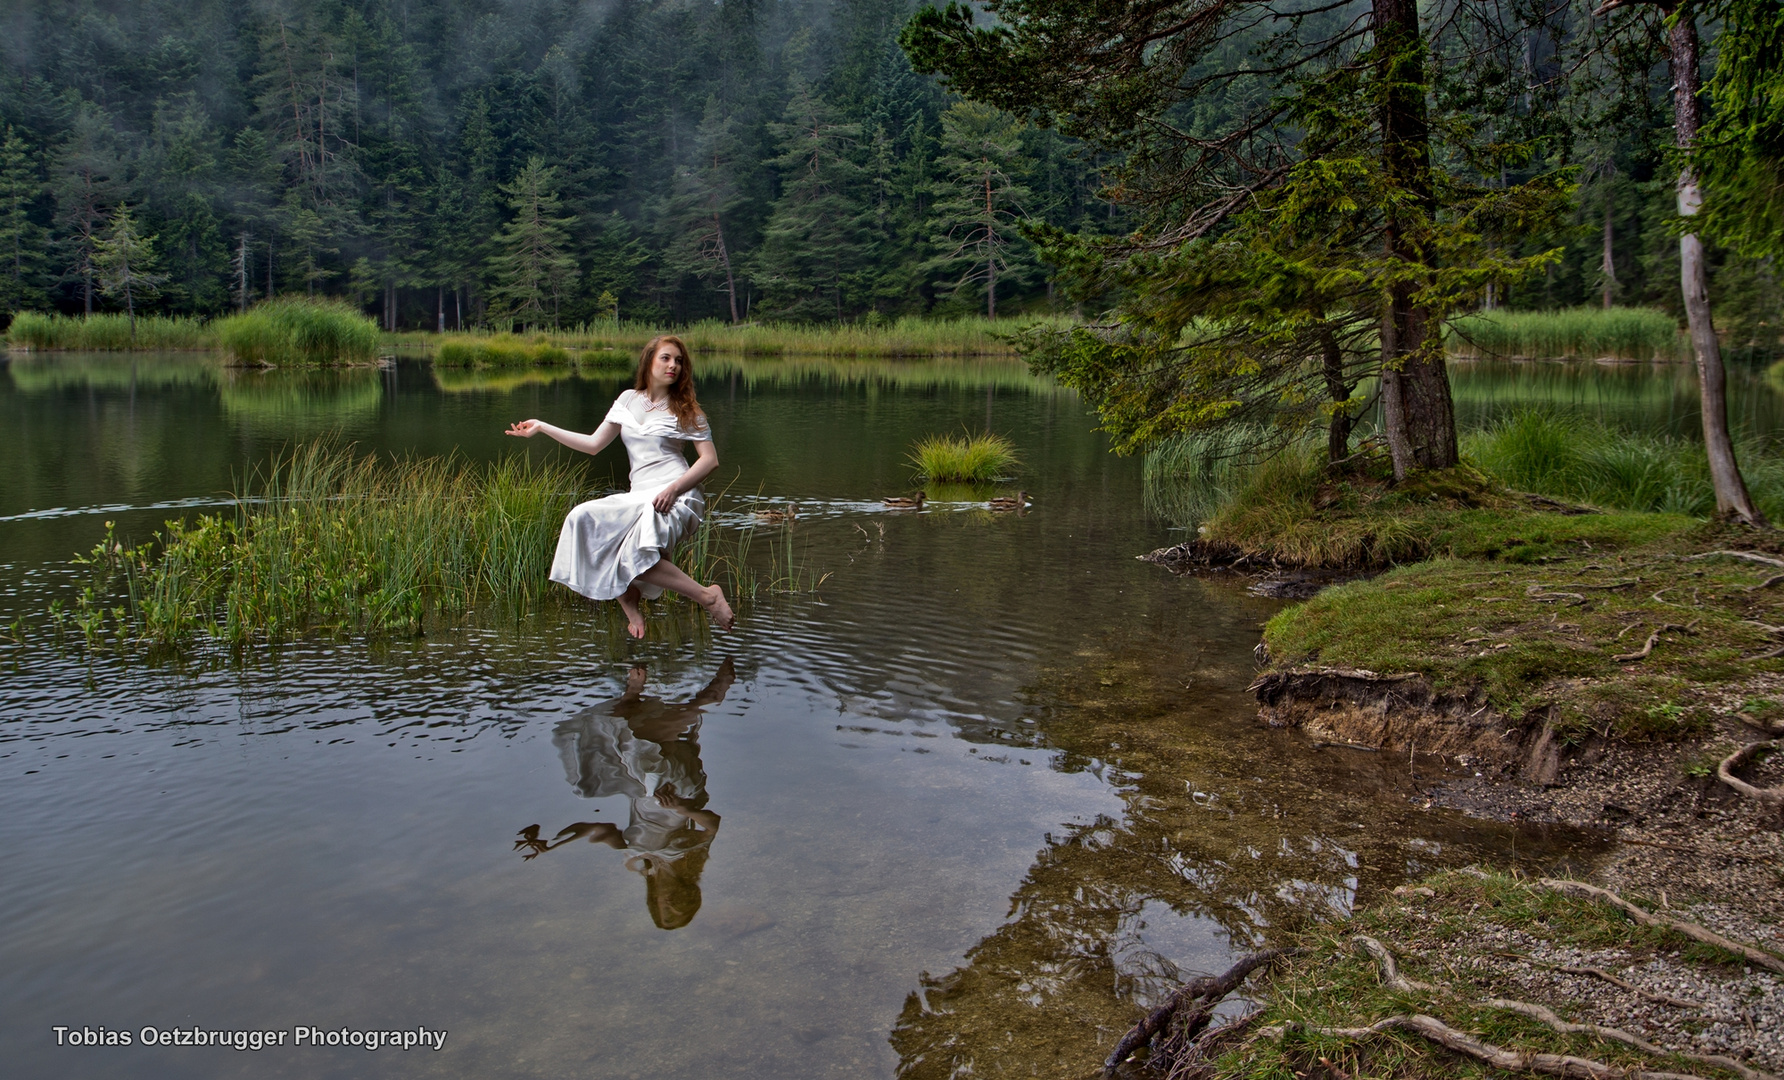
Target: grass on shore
pixel 298 330
pixel 1449 942
pixel 909 336
pixel 964 458
pixel 1583 333
pixel 107 333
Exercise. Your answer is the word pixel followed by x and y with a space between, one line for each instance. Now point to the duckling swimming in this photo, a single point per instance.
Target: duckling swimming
pixel 904 502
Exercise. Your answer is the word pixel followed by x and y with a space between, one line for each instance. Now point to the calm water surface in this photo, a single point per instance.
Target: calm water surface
pixel 991 789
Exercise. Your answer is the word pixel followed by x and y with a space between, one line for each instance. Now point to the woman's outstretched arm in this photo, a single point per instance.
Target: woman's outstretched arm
pixel 689 480
pixel 591 443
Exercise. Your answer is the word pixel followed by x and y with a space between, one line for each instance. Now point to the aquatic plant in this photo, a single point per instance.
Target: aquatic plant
pixel 500 351
pixel 299 330
pixel 1588 333
pixel 107 333
pixel 965 458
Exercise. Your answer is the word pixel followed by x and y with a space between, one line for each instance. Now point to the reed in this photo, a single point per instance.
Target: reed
pixel 299 330
pixel 499 351
pixel 1551 453
pixel 909 337
pixel 1586 333
pixel 963 459
pixel 107 333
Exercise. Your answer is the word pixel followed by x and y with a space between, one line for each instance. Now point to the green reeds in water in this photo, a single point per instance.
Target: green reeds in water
pixel 1550 453
pixel 499 351
pixel 298 330
pixel 107 333
pixel 1587 333
pixel 325 541
pixel 964 458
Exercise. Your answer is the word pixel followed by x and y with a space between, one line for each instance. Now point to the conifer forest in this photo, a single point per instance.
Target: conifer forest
pixel 548 162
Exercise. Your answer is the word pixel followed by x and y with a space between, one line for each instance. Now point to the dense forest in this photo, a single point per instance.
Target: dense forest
pixel 550 162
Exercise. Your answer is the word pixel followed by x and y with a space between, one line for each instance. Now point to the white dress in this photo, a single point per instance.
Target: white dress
pixel 608 542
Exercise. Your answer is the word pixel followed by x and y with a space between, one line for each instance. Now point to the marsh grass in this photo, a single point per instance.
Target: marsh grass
pixel 327 542
pixel 965 458
pixel 909 337
pixel 1552 453
pixel 298 330
pixel 1586 333
pixel 1450 941
pixel 108 333
pixel 499 351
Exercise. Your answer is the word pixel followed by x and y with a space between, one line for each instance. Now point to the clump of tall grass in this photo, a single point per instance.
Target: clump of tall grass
pixel 1587 333
pixel 325 541
pixel 107 333
pixel 964 458
pixel 1288 509
pixel 499 351
pixel 1550 453
pixel 299 330
pixel 1187 477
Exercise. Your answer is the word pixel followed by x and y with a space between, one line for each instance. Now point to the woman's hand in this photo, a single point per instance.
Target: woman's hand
pixel 665 500
pixel 526 429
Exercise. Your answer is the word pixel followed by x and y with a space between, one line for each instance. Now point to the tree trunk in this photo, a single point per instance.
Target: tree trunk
pixel 1338 434
pixel 269 268
pixel 991 260
pixel 1416 402
pixel 725 256
pixel 440 306
pixel 1610 265
pixel 1732 498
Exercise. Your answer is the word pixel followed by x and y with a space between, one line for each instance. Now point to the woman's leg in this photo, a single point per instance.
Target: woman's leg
pixel 628 603
pixel 667 575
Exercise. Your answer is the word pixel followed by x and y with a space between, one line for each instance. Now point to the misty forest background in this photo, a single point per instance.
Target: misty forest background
pixel 657 160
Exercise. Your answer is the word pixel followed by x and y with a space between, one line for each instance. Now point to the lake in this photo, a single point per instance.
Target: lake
pixel 968 806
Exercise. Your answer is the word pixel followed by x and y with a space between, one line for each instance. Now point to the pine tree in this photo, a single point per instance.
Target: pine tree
pixel 979 202
pixel 813 248
pixel 532 269
pixel 21 239
pixel 125 260
pixel 705 194
pixel 86 176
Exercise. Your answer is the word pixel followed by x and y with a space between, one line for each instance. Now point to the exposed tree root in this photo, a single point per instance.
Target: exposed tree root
pixel 1497 1056
pixel 1646 918
pixel 1542 1015
pixel 1752 556
pixel 1207 991
pixel 1600 973
pixel 1653 639
pixel 1725 772
pixel 1390 972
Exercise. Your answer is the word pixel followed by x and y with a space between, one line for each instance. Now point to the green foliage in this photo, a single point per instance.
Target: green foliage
pixel 1742 155
pixel 980 202
pixel 532 269
pixel 98 333
pixel 502 351
pixel 1586 333
pixel 21 238
pixel 963 458
pixel 124 258
pixel 1549 453
pixel 299 331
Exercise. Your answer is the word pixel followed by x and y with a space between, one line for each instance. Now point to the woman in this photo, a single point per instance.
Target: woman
pixel 618 548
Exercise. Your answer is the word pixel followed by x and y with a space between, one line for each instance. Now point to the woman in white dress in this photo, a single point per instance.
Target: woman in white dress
pixel 619 548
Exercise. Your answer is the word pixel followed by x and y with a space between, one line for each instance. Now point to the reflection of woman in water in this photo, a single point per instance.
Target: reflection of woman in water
pixel 619 547
pixel 647 750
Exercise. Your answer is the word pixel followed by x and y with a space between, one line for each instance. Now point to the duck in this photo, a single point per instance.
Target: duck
pixel 777 516
pixel 1010 502
pixel 906 502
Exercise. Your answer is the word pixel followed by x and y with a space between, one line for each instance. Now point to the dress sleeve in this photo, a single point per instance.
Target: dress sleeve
pixel 702 430
pixel 621 409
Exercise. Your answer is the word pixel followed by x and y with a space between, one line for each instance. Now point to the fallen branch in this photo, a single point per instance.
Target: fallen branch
pixel 1600 973
pixel 1725 773
pixel 1497 1056
pixel 1390 972
pixel 1646 918
pixel 1767 583
pixel 1752 556
pixel 1209 988
pixel 1769 654
pixel 1537 592
pixel 1538 1013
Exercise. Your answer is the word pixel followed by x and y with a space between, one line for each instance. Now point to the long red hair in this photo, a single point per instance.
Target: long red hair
pixel 681 392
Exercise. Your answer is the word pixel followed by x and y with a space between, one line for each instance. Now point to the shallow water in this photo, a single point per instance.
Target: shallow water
pixel 993 787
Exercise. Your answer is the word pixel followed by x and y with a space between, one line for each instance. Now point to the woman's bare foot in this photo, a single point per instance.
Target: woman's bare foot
pixel 718 609
pixel 628 603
